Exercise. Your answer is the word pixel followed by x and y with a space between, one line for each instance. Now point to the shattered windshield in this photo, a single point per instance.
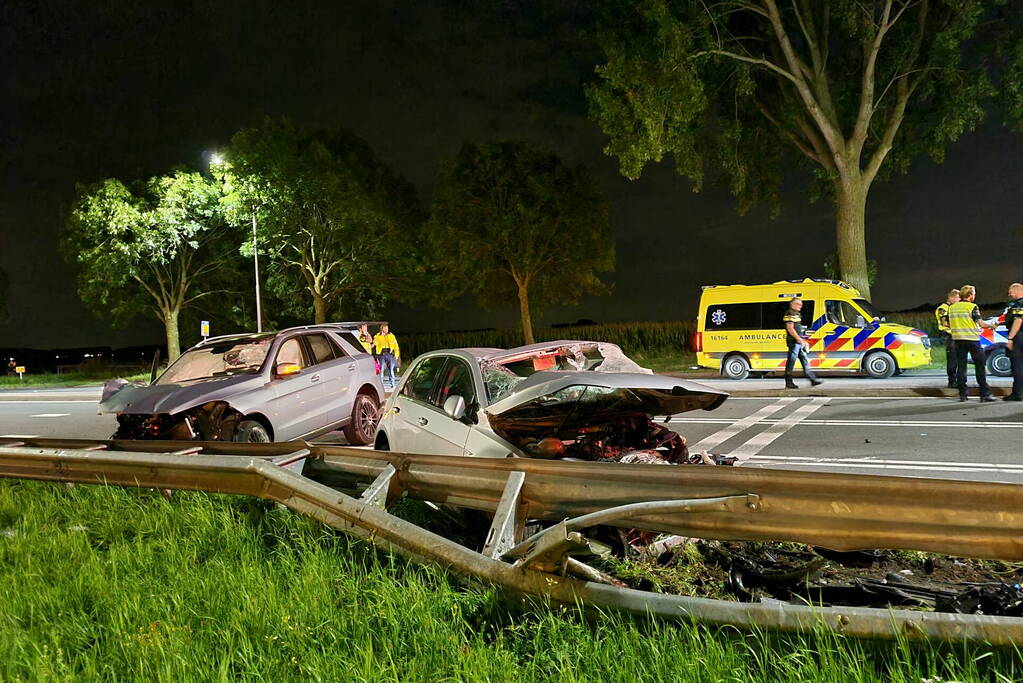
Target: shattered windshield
pixel 218 360
pixel 502 376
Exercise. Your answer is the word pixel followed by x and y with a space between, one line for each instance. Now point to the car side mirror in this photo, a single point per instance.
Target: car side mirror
pixel 455 407
pixel 860 322
pixel 286 369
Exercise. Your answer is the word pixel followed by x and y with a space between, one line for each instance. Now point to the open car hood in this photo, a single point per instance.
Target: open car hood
pixel 124 397
pixel 559 403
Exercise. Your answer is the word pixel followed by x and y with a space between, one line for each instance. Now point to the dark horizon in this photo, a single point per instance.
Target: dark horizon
pixel 129 93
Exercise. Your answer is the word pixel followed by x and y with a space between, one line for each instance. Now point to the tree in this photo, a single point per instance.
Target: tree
pixel 159 246
pixel 335 221
pixel 855 88
pixel 512 222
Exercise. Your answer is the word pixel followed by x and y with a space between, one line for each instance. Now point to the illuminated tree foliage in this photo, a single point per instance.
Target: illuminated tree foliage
pixel 856 89
pixel 336 223
pixel 512 222
pixel 157 247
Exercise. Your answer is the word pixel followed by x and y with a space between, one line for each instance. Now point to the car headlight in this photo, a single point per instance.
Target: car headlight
pixel 910 339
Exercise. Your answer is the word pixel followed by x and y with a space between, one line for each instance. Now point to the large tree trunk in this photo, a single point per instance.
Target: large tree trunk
pixel 319 308
pixel 850 220
pixel 170 324
pixel 527 318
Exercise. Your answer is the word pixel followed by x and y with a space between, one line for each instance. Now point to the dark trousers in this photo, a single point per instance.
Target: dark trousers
pixel 972 349
pixel 950 358
pixel 790 362
pixel 1016 356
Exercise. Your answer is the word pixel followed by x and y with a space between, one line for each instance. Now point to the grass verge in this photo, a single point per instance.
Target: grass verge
pixel 102 582
pixel 67 379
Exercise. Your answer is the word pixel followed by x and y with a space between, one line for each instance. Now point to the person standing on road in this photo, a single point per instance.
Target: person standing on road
pixel 794 333
pixel 385 347
pixel 964 323
pixel 1014 323
pixel 941 313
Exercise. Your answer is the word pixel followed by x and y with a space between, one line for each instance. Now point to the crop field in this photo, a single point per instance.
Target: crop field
pixel 109 583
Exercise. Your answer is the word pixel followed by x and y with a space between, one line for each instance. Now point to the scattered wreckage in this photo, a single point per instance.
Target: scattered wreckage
pixel 277 386
pixel 565 400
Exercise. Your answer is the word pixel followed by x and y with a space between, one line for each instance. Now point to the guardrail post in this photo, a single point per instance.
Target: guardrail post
pixel 376 493
pixel 501 537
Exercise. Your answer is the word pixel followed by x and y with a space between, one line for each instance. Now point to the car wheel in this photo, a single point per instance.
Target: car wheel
pixel 999 364
pixel 250 431
pixel 879 365
pixel 735 367
pixel 363 426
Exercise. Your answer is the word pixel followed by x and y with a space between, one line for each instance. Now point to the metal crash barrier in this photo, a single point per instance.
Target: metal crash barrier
pixel 349 489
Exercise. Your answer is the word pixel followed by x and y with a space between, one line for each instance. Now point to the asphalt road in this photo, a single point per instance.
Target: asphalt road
pixel 923 437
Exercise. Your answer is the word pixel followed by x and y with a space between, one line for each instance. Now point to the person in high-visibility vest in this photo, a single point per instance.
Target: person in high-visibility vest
pixel 385 347
pixel 1014 323
pixel 965 322
pixel 941 313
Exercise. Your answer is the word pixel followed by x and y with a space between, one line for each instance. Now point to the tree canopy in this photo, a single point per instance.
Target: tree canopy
pixel 3 294
pixel 335 222
pixel 513 222
pixel 158 246
pixel 854 89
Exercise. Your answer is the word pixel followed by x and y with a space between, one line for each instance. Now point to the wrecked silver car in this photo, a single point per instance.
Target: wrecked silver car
pixel 294 384
pixel 579 400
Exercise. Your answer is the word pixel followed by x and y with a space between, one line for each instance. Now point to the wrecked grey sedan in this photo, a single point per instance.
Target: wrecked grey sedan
pixel 295 384
pixel 578 400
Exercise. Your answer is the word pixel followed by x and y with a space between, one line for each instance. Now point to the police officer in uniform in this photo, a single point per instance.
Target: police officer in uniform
pixel 1014 323
pixel 941 313
pixel 964 322
pixel 794 333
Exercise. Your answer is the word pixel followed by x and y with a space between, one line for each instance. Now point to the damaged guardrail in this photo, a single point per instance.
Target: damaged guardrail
pixel 836 510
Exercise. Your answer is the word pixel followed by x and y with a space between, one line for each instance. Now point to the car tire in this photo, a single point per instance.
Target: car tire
pixel 251 431
pixel 361 429
pixel 735 367
pixel 998 363
pixel 879 365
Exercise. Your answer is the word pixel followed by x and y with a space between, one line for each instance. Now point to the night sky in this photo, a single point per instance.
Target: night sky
pixel 130 89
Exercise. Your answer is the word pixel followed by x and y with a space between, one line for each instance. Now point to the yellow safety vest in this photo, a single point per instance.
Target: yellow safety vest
pixel 961 323
pixel 386 341
pixel 941 313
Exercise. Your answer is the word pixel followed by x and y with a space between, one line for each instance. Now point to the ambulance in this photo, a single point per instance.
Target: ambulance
pixel 740 331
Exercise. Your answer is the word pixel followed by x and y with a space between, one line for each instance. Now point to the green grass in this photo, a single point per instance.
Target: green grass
pixel 108 583
pixel 67 379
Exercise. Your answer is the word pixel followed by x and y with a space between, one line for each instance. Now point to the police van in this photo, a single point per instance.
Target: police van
pixel 740 330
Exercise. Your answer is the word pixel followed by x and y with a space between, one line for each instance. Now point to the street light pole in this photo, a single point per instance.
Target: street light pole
pixel 255 257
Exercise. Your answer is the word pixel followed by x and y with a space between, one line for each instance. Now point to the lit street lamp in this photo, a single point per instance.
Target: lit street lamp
pixel 215 160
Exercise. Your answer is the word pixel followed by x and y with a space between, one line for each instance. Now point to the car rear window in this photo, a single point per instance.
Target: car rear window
pixel 321 348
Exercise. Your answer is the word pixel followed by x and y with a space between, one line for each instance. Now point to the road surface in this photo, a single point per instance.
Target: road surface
pixel 907 436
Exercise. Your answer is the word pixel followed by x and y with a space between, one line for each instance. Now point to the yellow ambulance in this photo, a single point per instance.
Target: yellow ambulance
pixel 740 330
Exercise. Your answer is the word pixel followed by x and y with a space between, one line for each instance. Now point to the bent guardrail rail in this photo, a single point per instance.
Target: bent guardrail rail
pixel 270 471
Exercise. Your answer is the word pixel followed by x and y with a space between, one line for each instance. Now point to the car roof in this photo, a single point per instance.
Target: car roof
pixel 481 353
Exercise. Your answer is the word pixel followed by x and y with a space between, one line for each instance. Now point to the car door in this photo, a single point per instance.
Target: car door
pixel 449 435
pixel 415 409
pixel 295 395
pixel 337 373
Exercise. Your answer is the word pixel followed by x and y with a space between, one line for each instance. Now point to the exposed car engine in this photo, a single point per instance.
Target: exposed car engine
pixel 630 440
pixel 213 421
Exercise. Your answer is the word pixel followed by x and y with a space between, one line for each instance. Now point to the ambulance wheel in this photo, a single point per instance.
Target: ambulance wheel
pixel 999 364
pixel 879 365
pixel 735 367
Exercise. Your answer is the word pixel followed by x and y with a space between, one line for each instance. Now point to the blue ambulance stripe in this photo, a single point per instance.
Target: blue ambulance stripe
pixel 819 323
pixel 862 336
pixel 838 331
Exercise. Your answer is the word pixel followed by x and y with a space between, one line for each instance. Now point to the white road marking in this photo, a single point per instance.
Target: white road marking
pixel 53 415
pixel 19 436
pixel 768 436
pixel 740 425
pixel 933 424
pixel 868 466
pixel 808 460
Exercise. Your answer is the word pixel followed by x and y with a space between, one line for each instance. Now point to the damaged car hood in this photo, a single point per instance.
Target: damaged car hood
pixel 172 398
pixel 650 394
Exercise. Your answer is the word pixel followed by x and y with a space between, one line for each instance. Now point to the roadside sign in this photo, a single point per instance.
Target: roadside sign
pixel 20 369
pixel 204 329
